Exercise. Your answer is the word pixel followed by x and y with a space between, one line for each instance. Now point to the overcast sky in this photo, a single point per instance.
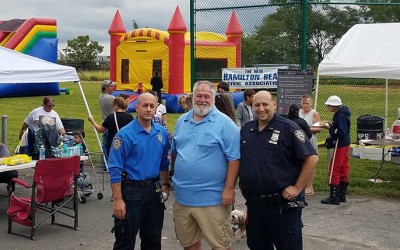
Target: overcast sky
pixel 93 17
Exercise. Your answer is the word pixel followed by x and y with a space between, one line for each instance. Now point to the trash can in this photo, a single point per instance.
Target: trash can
pixel 369 127
pixel 74 125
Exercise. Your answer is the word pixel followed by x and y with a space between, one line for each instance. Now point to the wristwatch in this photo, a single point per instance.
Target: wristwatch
pixel 167 184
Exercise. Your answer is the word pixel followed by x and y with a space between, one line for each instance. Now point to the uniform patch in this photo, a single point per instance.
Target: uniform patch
pixel 117 142
pixel 159 137
pixel 275 137
pixel 300 135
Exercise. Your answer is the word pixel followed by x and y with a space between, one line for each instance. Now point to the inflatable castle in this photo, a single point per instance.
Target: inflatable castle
pixel 36 37
pixel 136 55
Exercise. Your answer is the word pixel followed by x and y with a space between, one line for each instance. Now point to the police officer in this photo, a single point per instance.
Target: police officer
pixel 277 160
pixel 140 151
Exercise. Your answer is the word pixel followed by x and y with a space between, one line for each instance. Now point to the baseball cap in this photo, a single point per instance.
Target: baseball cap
pixel 106 83
pixel 334 101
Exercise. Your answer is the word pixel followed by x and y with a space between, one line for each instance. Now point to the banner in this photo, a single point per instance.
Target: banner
pixel 251 78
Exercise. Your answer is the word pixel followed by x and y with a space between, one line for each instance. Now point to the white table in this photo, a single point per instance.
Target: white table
pixel 31 164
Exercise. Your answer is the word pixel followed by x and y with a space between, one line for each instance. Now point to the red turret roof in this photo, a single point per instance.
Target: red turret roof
pixel 117 25
pixel 177 23
pixel 234 27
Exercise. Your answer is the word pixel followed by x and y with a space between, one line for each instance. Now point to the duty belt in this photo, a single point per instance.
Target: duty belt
pixel 144 183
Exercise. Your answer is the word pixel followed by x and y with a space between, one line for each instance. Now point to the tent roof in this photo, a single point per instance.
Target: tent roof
pixel 365 51
pixel 16 67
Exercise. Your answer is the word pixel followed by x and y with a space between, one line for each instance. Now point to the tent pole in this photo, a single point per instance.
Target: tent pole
pixel 316 93
pixel 386 103
pixel 95 131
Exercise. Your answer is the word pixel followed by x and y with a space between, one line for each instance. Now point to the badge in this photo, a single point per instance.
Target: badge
pixel 159 137
pixel 117 142
pixel 275 137
pixel 300 135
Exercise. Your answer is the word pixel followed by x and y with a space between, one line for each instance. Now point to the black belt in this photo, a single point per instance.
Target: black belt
pixel 144 183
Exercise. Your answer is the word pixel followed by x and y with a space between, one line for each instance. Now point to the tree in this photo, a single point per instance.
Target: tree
pixel 135 25
pixel 81 52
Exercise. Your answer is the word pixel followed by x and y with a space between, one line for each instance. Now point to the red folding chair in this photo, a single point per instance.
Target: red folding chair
pixel 54 182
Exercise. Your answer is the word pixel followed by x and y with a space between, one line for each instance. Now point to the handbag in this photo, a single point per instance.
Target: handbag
pixel 330 143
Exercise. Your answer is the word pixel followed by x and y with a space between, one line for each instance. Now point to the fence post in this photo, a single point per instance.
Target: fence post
pixel 303 34
pixel 4 129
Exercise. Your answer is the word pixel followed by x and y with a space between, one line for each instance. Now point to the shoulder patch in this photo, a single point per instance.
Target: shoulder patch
pixel 159 138
pixel 117 142
pixel 300 135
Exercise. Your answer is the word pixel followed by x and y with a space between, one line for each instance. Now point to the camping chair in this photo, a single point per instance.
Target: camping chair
pixel 55 182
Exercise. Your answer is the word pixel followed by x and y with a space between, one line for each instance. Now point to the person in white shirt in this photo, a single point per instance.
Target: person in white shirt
pixel 44 115
pixel 311 116
pixel 161 111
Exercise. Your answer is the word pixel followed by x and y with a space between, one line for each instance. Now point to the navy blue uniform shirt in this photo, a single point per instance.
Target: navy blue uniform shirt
pixel 271 159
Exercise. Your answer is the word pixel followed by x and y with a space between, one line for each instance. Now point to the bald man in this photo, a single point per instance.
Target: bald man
pixel 139 152
pixel 277 160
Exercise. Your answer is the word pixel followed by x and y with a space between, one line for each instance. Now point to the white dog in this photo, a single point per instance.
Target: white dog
pixel 239 224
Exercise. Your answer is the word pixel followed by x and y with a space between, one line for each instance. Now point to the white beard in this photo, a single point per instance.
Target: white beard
pixel 200 112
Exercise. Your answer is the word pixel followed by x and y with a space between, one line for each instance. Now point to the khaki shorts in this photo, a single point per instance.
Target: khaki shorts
pixel 212 223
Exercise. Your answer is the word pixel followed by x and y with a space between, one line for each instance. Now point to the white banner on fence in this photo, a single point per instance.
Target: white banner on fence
pixel 251 78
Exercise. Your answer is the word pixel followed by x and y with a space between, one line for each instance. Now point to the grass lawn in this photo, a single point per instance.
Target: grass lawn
pixel 72 106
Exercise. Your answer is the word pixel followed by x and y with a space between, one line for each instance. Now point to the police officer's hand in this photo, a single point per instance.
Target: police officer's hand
pixel 119 209
pixel 165 189
pixel 290 192
pixel 228 196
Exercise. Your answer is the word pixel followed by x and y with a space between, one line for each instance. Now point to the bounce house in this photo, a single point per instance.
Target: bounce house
pixel 136 55
pixel 36 37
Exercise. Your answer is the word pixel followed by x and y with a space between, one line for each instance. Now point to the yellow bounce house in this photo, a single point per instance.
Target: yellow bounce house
pixel 136 55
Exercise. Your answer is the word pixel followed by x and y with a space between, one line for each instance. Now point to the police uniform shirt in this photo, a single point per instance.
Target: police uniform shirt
pixel 140 153
pixel 272 159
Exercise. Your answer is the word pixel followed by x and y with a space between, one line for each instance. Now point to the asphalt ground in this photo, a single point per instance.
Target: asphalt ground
pixel 361 223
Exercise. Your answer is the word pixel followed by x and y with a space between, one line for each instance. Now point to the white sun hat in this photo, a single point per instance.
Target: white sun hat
pixel 334 101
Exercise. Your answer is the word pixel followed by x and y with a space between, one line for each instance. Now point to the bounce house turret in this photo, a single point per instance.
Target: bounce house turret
pixel 116 31
pixel 234 33
pixel 177 30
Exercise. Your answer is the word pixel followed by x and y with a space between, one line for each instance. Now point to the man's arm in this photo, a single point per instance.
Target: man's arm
pixel 316 118
pixel 119 206
pixel 228 195
pixel 307 171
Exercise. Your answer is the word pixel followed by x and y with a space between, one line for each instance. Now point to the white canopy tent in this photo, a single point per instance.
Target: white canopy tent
pixel 16 67
pixel 365 51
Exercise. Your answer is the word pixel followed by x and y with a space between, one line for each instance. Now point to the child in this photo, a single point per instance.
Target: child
pixel 78 141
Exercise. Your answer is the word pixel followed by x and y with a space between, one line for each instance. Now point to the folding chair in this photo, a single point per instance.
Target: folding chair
pixel 55 182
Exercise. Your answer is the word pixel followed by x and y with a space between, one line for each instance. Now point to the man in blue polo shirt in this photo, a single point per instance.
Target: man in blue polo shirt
pixel 205 159
pixel 140 151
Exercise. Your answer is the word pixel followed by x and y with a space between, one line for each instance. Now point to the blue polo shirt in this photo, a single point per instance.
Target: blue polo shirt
pixel 140 153
pixel 203 150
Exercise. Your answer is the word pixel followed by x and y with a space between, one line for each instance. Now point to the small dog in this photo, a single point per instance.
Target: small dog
pixel 239 224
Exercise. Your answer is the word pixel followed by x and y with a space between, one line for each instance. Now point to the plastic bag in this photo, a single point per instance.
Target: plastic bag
pixel 17 160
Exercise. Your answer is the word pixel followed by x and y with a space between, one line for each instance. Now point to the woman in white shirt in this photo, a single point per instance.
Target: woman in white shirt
pixel 161 109
pixel 311 116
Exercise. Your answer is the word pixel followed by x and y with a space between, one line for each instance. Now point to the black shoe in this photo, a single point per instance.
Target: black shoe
pixel 343 190
pixel 333 199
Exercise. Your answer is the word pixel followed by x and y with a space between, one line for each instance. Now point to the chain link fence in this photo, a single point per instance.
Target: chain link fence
pixel 300 33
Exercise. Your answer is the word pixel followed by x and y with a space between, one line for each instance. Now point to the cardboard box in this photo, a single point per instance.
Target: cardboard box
pixel 371 153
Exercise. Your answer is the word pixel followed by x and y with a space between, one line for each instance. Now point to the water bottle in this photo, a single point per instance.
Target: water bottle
pixel 42 153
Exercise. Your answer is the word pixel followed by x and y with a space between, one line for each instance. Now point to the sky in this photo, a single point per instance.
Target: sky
pixel 93 17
